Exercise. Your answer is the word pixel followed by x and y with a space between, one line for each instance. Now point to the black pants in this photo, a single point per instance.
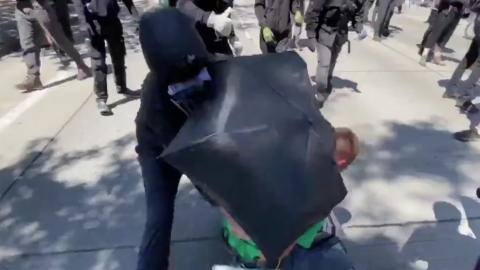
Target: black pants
pixel 441 28
pixel 63 16
pixel 107 29
pixel 385 10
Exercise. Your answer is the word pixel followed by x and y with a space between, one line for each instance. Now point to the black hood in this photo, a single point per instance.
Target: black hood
pixel 167 37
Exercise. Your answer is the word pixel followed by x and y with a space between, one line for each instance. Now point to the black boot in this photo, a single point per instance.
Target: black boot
pixel 123 90
pixel 31 83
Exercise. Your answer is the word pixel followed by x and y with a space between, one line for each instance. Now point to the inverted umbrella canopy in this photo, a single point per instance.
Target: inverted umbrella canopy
pixel 261 149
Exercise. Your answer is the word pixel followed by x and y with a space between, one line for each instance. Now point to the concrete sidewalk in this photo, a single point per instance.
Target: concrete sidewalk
pixel 73 196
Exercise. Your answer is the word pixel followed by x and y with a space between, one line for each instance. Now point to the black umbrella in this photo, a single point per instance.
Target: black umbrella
pixel 261 149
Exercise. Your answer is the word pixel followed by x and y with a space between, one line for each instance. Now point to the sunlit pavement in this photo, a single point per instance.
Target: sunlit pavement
pixel 73 197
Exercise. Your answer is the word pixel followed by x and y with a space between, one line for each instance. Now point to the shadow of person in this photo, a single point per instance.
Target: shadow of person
pixel 125 100
pixel 339 83
pixel 375 252
pixel 440 245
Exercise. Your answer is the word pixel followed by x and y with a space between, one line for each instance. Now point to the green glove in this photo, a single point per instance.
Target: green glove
pixel 298 18
pixel 268 35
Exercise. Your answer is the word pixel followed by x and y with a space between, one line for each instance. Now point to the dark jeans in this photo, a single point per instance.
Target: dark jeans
pixel 107 29
pixel 30 21
pixel 158 121
pixel 63 16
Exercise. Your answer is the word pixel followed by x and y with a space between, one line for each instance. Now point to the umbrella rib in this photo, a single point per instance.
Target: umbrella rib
pixel 282 96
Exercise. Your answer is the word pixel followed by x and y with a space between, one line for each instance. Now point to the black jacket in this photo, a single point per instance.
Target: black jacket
pixel 276 14
pixel 325 19
pixel 102 8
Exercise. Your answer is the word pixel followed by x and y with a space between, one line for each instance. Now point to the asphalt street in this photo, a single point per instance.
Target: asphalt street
pixel 71 195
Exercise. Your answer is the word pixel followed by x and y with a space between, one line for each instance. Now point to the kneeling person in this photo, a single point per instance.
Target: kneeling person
pixel 308 251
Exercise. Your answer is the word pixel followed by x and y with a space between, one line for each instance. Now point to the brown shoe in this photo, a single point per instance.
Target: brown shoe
pixel 377 39
pixel 31 83
pixel 83 74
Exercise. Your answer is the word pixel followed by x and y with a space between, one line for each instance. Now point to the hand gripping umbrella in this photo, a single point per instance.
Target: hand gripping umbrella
pixel 261 149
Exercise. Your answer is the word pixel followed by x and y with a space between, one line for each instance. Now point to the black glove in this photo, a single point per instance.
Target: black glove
pixel 311 44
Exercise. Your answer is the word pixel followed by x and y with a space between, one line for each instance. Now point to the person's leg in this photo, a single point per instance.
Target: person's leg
pixel 437 29
pixel 467 61
pixel 366 9
pixel 324 55
pixel 383 9
pixel 160 179
pixel 27 31
pixel 336 49
pixel 98 56
pixel 46 17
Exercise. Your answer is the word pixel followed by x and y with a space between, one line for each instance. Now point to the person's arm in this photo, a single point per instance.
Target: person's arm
pixel 260 13
pixel 312 17
pixel 80 10
pixel 191 10
pixel 132 9
pixel 295 6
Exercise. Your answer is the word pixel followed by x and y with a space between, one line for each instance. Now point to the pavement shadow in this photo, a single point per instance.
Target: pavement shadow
pixel 339 83
pixel 44 211
pixel 85 209
pixel 439 245
pixel 124 100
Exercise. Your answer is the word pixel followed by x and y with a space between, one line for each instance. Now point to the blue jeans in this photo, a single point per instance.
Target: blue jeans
pixel 158 121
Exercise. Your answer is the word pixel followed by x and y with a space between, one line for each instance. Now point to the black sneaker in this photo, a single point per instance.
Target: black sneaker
pixel 128 93
pixel 103 108
pixel 467 136
pixel 467 107
pixel 31 83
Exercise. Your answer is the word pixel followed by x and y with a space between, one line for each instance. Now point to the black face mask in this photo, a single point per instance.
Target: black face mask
pixel 186 68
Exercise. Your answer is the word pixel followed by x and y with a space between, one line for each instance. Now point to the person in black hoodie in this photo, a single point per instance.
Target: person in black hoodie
pixel 327 31
pixel 99 21
pixel 274 18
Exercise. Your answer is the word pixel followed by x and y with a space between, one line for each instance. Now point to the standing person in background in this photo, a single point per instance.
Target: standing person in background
pixel 464 95
pixel 213 23
pixel 99 21
pixel 297 26
pixel 276 24
pixel 327 31
pixel 380 25
pixel 31 17
pixel 366 10
pixel 448 15
pixel 63 14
